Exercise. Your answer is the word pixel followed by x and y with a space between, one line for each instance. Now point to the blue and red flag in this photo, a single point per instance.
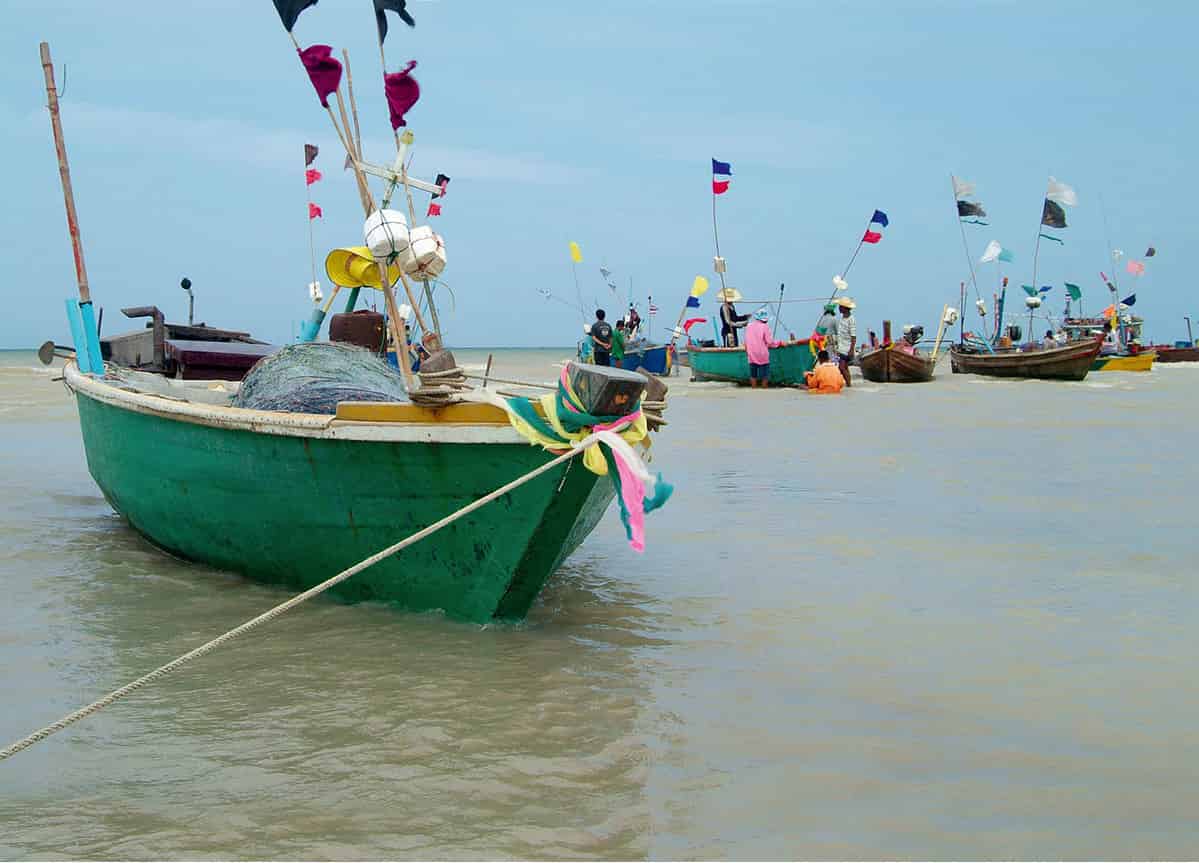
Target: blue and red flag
pixel 879 218
pixel 722 173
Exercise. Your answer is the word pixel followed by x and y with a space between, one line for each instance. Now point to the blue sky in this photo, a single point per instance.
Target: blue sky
pixel 595 122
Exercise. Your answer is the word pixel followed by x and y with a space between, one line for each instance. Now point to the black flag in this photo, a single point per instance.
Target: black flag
pixel 1053 216
pixel 289 11
pixel 310 151
pixel 966 208
pixel 397 6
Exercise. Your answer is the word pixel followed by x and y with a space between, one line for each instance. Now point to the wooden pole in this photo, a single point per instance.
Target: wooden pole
pixel 962 317
pixel 779 313
pixel 412 302
pixel 397 328
pixel 64 172
pixel 940 332
pixel 345 56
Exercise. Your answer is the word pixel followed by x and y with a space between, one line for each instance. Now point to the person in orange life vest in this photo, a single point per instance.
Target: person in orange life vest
pixel 826 377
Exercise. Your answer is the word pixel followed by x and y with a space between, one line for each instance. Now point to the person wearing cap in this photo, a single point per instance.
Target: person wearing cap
pixel 826 377
pixel 730 321
pixel 757 349
pixel 847 335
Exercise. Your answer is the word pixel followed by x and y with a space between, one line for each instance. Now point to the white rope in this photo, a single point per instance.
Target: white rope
pixel 162 671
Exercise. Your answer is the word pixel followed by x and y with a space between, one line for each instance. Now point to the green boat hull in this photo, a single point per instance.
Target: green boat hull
pixel 294 510
pixel 788 364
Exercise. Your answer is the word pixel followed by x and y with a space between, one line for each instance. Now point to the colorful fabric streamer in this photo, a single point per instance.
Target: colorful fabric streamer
pixel 566 423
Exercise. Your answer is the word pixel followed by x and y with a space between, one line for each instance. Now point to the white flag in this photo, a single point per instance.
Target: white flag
pixel 991 253
pixel 962 188
pixel 1061 193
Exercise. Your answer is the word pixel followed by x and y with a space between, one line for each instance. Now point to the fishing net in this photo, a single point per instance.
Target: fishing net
pixel 313 377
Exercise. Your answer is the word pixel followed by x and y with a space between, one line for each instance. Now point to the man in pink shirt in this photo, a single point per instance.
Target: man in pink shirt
pixel 757 348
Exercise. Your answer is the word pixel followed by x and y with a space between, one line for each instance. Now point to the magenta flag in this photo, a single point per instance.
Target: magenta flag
pixel 402 93
pixel 324 70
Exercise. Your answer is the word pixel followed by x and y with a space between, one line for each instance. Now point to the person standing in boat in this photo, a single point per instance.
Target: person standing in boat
pixel 757 349
pixel 633 323
pixel 730 321
pixel 847 335
pixel 601 340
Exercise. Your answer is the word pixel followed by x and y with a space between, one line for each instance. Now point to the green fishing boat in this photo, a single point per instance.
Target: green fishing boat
pixel 321 468
pixel 788 363
pixel 292 499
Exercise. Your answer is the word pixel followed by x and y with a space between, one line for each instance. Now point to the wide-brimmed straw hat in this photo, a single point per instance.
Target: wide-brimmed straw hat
pixel 846 303
pixel 729 295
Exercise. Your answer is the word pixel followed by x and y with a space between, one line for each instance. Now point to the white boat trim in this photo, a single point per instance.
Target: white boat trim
pixel 283 423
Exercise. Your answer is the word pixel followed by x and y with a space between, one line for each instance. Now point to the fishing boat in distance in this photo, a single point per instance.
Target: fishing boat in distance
pixel 901 362
pixel 788 363
pixel 1121 352
pixel 1071 362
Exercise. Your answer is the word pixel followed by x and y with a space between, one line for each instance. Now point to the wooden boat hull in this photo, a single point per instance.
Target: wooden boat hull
pixel 1141 362
pixel 293 499
pixel 889 366
pixel 1069 363
pixel 1176 355
pixel 788 364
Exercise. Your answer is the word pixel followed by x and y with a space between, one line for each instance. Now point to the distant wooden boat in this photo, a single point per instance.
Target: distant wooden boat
pixel 1166 354
pixel 886 365
pixel 788 363
pixel 1138 362
pixel 1069 363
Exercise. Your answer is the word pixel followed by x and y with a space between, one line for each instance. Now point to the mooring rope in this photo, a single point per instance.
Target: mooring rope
pixel 162 671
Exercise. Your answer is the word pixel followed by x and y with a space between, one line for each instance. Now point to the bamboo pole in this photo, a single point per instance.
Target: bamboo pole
pixel 64 172
pixel 345 56
pixel 940 332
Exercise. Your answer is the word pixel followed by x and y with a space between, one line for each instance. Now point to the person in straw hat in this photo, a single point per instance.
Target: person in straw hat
pixel 730 321
pixel 847 335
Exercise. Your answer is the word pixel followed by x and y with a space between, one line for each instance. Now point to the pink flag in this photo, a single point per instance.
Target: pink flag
pixel 324 70
pixel 311 176
pixel 1136 268
pixel 314 212
pixel 402 92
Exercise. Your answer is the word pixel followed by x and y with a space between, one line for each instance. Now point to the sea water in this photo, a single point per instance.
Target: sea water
pixel 945 620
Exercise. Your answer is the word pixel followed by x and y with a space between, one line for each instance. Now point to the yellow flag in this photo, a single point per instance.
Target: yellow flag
pixel 576 253
pixel 699 287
